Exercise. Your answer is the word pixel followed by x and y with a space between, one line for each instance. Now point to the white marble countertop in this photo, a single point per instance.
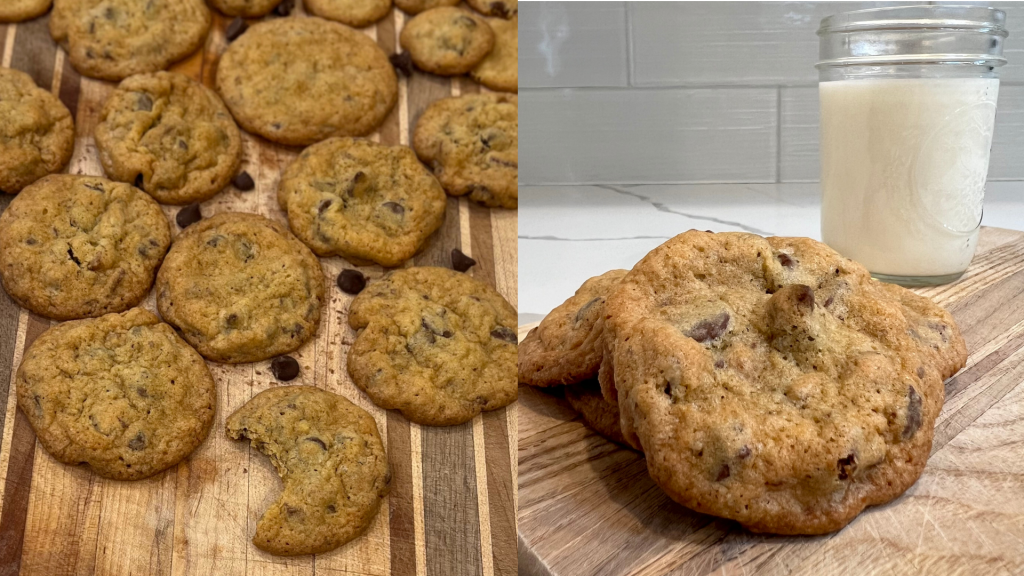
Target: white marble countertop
pixel 570 233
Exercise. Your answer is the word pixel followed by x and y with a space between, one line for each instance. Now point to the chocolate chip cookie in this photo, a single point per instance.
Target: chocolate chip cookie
pixel 331 461
pixel 297 81
pixel 597 413
pixel 121 393
pixel 447 41
pixel 500 8
pixel 472 144
pixel 500 69
pixel 113 39
pixel 361 200
pixel 568 345
pixel 773 382
pixel 241 288
pixel 417 6
pixel 79 246
pixel 170 136
pixel 435 344
pixel 37 134
pixel 20 10
pixel 245 8
pixel 356 13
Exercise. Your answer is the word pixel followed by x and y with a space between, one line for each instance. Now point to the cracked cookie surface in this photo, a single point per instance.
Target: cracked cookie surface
pixel 245 8
pixel 20 10
pixel 121 393
pixel 361 200
pixel 357 13
pixel 568 345
pixel 79 246
pixel 170 136
pixel 241 288
pixel 297 81
pixel 435 344
pixel 113 39
pixel 330 458
pixel 773 382
pixel 500 69
pixel 472 144
pixel 37 134
pixel 447 40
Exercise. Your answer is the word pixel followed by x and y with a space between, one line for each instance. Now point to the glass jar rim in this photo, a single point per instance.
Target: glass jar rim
pixel 923 17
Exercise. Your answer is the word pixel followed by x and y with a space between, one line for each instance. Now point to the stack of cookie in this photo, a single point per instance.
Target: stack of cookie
pixel 128 393
pixel 767 380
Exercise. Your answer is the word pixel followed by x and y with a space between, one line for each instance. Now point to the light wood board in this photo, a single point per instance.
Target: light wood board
pixel 451 509
pixel 588 506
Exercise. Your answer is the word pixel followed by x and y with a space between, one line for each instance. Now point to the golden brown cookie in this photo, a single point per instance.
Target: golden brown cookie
pixel 113 39
pixel 331 461
pixel 597 413
pixel 447 41
pixel 417 6
pixel 121 393
pixel 773 382
pixel 472 144
pixel 37 134
pixel 500 69
pixel 500 8
pixel 78 246
pixel 435 344
pixel 241 288
pixel 356 13
pixel 300 80
pixel 170 136
pixel 245 8
pixel 568 345
pixel 361 200
pixel 20 10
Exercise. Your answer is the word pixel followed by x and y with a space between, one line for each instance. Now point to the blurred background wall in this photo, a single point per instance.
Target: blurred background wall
pixel 678 92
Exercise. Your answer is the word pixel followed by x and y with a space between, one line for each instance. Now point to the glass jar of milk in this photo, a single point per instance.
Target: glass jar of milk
pixel 908 103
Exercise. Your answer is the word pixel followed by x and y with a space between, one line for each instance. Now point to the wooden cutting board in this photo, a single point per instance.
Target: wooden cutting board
pixel 451 508
pixel 587 506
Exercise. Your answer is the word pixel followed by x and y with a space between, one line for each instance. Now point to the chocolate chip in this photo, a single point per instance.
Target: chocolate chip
pixel 803 295
pixel 920 372
pixel 460 261
pixel 71 254
pixel 324 205
pixel 829 300
pixel 402 62
pixel 231 321
pixel 214 241
pixel 31 241
pixel 506 334
pixel 236 28
pixel 285 368
pixel 144 103
pixel 442 333
pixel 913 413
pixel 331 509
pixel 292 511
pixel 359 178
pixel 710 329
pixel 137 443
pixel 847 466
pixel 284 8
pixel 95 187
pixel 582 312
pixel 786 260
pixel 668 389
pixel 351 281
pixel 723 473
pixel 243 181
pixel 499 9
pixel 395 208
pixel 316 440
pixel 189 215
pixel 142 392
pixel 744 453
pixel 719 363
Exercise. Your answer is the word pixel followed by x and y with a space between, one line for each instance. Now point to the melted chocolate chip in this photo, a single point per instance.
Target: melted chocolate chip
pixel 395 208
pixel 231 321
pixel 803 296
pixel 402 62
pixel 499 9
pixel 285 368
pixel 442 333
pixel 829 300
pixel 243 181
pixel 920 372
pixel 137 443
pixel 709 329
pixel 582 312
pixel 142 392
pixel 214 241
pixel 719 363
pixel 847 466
pixel 461 262
pixel 331 509
pixel 31 241
pixel 723 473
pixel 236 28
pixel 144 103
pixel 182 144
pixel 786 260
pixel 744 453
pixel 188 215
pixel 913 413
pixel 351 281
pixel 506 334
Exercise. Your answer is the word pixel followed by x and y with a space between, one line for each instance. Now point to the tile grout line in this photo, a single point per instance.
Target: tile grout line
pixel 630 63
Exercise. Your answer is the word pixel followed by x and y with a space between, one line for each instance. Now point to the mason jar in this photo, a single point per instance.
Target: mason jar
pixel 908 103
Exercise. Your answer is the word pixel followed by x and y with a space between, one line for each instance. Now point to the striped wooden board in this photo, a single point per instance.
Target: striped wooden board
pixel 588 506
pixel 452 503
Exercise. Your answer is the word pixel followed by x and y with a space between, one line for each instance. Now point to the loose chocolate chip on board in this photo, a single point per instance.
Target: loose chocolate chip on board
pixel 285 368
pixel 236 28
pixel 351 281
pixel 189 215
pixel 402 62
pixel 461 262
pixel 243 181
pixel 284 8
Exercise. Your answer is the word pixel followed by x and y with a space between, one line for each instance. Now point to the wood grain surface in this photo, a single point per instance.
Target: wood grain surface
pixel 452 504
pixel 588 506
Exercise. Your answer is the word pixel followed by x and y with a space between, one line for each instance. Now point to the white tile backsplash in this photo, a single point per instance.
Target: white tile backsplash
pixel 572 44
